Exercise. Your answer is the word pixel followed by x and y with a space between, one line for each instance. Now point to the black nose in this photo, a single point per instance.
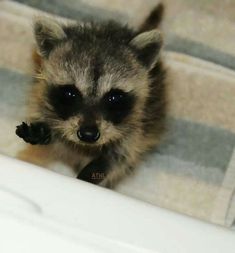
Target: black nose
pixel 88 134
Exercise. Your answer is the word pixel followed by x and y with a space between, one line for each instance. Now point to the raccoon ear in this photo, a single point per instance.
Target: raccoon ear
pixel 147 46
pixel 48 33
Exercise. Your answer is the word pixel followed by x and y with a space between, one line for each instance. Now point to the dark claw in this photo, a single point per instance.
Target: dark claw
pixel 35 133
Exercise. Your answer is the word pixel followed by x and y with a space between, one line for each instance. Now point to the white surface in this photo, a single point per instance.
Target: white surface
pixel 41 211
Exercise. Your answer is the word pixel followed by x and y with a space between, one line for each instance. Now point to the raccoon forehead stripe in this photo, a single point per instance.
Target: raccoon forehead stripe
pixel 96 72
pixel 97 69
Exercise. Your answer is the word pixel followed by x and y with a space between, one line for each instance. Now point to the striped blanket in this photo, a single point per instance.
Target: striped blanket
pixel 193 171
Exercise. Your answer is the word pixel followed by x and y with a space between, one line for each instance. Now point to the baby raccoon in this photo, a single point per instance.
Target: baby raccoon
pixel 98 102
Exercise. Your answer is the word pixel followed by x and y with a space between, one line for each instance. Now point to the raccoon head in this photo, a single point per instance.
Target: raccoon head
pixel 95 78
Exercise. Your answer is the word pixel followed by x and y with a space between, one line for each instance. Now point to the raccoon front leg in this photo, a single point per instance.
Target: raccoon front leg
pixel 95 171
pixel 35 133
pixel 123 161
pixel 106 171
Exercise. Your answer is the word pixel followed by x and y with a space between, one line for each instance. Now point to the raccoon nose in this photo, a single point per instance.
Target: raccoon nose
pixel 88 134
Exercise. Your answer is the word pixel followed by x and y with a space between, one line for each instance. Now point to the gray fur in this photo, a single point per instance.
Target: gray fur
pixel 97 59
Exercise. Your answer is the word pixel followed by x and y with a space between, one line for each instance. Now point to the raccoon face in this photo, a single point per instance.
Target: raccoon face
pixel 95 79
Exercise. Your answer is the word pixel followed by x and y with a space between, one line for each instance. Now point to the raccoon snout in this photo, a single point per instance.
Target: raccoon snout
pixel 88 134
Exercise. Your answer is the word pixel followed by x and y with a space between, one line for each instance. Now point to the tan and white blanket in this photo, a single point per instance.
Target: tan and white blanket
pixel 193 171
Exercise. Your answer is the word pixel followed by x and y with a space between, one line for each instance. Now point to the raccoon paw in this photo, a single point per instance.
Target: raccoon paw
pixel 35 133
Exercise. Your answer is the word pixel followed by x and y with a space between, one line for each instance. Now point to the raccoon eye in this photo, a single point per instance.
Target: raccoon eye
pixel 115 98
pixel 69 92
pixel 66 100
pixel 117 104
